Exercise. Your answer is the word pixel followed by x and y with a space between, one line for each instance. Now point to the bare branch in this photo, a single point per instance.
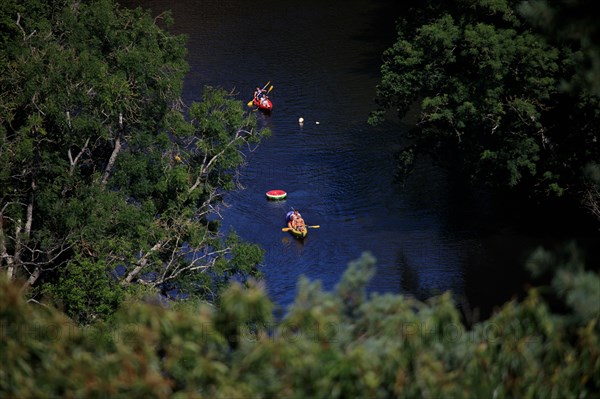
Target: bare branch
pixel 25 36
pixel 142 263
pixel 72 161
pixel 10 269
pixel 112 160
pixel 591 200
pixel 32 278
pixel 194 266
pixel 37 302
pixel 33 99
pixel 29 220
pixel 204 170
pixel 38 262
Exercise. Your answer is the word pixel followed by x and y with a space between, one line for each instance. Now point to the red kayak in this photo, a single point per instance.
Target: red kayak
pixel 264 104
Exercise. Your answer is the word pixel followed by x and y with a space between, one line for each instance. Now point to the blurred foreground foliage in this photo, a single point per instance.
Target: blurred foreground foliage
pixel 340 344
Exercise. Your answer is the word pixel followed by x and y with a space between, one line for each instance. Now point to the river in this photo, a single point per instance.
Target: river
pixel 429 235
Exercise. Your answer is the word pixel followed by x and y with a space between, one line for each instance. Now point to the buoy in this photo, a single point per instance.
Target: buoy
pixel 276 194
pixel 300 120
pixel 317 122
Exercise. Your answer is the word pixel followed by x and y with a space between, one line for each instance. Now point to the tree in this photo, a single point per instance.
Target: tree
pixel 337 344
pixel 570 22
pixel 85 291
pixel 488 91
pixel 101 164
pixel 566 22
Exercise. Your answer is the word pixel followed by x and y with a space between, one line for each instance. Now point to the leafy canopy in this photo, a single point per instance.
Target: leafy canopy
pixel 102 167
pixel 488 88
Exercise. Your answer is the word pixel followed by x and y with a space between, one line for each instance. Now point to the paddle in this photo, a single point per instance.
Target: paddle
pixel 250 102
pixel 288 229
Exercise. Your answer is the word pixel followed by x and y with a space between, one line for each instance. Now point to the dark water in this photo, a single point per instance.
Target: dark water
pixel 323 58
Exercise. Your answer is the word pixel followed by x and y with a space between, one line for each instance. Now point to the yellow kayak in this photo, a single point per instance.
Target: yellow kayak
pixel 298 233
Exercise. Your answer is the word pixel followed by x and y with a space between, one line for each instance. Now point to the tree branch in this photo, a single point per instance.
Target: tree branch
pixel 72 161
pixel 193 265
pixel 141 263
pixel 10 269
pixel 52 254
pixel 205 168
pixel 25 37
pixel 112 159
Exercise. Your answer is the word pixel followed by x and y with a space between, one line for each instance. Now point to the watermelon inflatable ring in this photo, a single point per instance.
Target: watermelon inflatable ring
pixel 276 194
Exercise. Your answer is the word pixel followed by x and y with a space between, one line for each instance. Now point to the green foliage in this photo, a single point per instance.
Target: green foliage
pixel 102 165
pixel 489 88
pixel 573 284
pixel 244 256
pixel 570 22
pixel 329 345
pixel 87 291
